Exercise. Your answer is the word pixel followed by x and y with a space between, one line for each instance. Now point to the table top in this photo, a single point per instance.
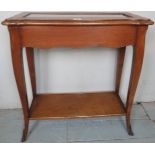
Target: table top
pixel 77 18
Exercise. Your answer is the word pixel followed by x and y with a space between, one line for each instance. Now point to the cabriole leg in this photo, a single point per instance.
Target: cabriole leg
pixel 120 61
pixel 17 61
pixel 30 60
pixel 137 61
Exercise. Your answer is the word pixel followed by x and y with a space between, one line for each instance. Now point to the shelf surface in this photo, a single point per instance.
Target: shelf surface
pixel 79 105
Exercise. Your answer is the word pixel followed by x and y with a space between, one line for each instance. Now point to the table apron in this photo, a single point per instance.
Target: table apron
pixel 77 36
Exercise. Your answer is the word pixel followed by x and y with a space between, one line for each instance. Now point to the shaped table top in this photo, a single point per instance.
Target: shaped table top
pixel 77 18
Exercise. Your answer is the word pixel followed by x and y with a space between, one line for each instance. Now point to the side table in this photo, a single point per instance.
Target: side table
pixel 31 30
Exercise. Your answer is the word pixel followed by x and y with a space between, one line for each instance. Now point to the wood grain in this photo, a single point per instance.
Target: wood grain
pixel 31 65
pixel 120 62
pixel 77 18
pixel 116 30
pixel 138 55
pixel 84 105
pixel 79 36
pixel 17 61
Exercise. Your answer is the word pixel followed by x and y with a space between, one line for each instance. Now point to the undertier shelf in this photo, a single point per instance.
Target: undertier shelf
pixel 76 105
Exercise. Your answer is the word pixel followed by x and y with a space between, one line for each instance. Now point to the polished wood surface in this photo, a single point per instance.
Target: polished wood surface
pixel 120 62
pixel 31 65
pixel 77 30
pixel 79 36
pixel 82 105
pixel 138 55
pixel 17 62
pixel 77 18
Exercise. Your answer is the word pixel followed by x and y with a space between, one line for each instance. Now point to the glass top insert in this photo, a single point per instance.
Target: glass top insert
pixel 55 16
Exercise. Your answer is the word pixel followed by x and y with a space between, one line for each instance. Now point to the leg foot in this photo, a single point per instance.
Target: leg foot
pixel 25 133
pixel 129 128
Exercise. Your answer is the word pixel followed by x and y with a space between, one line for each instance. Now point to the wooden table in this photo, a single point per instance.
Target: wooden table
pixel 76 30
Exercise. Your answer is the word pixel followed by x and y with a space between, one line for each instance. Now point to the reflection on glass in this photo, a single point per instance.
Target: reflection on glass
pixel 75 16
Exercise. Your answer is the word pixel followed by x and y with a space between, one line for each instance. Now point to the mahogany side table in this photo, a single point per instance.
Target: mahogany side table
pixel 77 30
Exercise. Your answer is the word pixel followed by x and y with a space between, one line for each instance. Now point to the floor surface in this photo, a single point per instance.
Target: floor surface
pixel 96 130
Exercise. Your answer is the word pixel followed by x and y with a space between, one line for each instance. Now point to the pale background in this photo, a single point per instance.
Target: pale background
pixel 76 70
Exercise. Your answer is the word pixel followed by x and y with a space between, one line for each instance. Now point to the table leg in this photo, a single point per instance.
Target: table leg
pixel 120 61
pixel 30 60
pixel 17 60
pixel 137 61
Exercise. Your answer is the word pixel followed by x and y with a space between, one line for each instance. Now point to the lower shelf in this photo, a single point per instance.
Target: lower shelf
pixel 79 105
